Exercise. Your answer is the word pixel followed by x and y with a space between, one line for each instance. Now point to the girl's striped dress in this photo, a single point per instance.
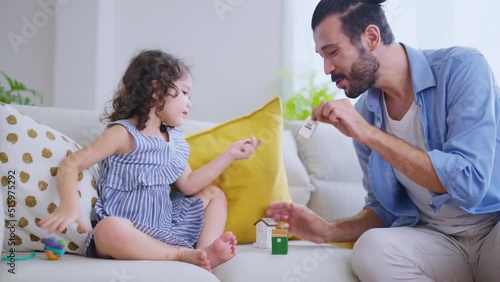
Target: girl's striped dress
pixel 136 186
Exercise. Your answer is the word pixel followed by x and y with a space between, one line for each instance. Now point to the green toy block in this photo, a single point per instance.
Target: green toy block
pixel 279 245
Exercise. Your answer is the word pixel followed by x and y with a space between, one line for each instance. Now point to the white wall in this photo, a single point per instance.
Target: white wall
pixel 27 44
pixel 233 46
pixel 234 51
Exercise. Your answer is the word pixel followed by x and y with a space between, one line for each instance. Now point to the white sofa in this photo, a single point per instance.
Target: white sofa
pixel 323 174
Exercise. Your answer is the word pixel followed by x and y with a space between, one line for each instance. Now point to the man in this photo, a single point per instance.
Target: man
pixel 427 135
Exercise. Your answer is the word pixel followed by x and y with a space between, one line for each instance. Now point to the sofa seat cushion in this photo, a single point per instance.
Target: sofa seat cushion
pixel 305 261
pixel 79 268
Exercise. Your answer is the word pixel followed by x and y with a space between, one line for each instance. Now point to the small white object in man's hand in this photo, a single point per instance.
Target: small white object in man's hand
pixel 307 130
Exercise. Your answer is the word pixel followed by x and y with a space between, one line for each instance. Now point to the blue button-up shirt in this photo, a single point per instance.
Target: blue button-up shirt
pixel 460 112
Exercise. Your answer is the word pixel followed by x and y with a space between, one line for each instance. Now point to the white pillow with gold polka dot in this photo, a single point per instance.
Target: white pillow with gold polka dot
pixel 30 154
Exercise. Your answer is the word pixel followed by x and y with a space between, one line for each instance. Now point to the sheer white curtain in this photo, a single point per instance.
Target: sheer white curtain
pixel 425 24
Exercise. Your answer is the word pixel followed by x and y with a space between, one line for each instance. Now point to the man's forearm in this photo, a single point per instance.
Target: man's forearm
pixel 410 161
pixel 350 229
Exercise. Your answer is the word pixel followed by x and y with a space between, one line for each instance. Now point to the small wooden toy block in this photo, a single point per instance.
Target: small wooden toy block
pixel 264 227
pixel 279 242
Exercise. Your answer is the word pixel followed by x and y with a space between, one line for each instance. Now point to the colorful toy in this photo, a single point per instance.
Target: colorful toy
pixel 53 249
pixel 264 227
pixel 280 242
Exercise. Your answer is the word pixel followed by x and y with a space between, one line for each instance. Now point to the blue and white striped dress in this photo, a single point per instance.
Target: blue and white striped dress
pixel 136 186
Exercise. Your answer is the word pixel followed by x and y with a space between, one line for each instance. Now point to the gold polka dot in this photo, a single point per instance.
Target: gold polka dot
pixel 37 220
pixel 80 230
pixel 12 138
pixel 79 193
pixel 77 146
pixel 42 185
pixel 24 177
pixel 34 238
pixel 68 152
pixel 46 153
pixel 80 176
pixel 32 133
pixel 5 181
pixel 93 201
pixel 18 241
pixel 30 201
pixel 23 222
pixel 11 119
pixel 64 138
pixel 51 208
pixel 50 135
pixel 92 183
pixel 3 157
pixel 64 231
pixel 72 246
pixel 53 171
pixel 27 158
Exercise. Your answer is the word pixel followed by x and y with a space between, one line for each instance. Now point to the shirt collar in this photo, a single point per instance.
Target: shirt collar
pixel 421 76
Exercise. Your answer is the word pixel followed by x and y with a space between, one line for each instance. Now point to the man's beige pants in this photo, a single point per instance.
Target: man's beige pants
pixel 421 254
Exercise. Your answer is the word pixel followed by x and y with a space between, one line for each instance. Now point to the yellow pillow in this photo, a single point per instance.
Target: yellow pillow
pixel 250 185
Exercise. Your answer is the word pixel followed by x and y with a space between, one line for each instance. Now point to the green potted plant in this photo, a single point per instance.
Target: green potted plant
pixel 298 105
pixel 18 93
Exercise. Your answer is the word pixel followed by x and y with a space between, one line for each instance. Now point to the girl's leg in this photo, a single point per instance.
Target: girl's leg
pixel 219 246
pixel 118 238
pixel 215 215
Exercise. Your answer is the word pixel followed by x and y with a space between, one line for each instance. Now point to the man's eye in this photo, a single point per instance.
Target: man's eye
pixel 333 53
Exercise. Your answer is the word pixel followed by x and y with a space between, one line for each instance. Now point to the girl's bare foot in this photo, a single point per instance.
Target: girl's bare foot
pixel 222 249
pixel 197 257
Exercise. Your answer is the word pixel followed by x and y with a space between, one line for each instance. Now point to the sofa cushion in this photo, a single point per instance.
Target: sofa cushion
pixel 30 153
pixel 328 155
pixel 249 185
pixel 79 268
pixel 305 261
pixel 334 200
pixel 333 167
pixel 299 184
pixel 84 127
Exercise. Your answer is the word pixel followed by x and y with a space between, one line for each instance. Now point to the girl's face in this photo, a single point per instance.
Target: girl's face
pixel 176 109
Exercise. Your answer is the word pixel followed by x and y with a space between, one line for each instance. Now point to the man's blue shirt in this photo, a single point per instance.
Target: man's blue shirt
pixel 459 104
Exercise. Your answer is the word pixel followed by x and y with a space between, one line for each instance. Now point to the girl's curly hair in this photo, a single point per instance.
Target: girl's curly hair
pixel 151 71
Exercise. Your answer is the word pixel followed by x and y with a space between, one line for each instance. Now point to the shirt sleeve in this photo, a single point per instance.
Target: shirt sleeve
pixel 371 202
pixel 464 164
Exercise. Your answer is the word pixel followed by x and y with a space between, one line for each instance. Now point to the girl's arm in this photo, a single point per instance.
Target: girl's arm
pixel 112 141
pixel 191 182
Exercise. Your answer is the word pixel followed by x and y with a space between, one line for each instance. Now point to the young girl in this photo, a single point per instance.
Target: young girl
pixel 142 152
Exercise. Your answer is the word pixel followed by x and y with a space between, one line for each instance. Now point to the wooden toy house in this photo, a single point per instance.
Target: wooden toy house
pixel 264 228
pixel 279 242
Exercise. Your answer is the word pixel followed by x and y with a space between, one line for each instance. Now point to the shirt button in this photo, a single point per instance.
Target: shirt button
pixel 430 202
pixel 378 124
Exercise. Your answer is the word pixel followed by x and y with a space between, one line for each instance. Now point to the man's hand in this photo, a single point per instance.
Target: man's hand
pixel 303 222
pixel 342 114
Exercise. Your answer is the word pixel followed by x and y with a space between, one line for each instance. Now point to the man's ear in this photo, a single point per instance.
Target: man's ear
pixel 371 35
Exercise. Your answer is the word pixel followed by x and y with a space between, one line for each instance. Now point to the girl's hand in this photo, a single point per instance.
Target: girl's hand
pixel 63 216
pixel 243 149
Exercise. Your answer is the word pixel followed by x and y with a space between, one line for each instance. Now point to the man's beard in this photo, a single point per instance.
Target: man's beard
pixel 363 74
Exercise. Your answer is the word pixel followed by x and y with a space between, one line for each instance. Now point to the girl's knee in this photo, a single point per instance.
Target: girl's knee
pixel 111 230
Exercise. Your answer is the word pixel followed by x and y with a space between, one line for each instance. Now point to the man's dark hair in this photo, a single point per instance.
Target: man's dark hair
pixel 355 16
